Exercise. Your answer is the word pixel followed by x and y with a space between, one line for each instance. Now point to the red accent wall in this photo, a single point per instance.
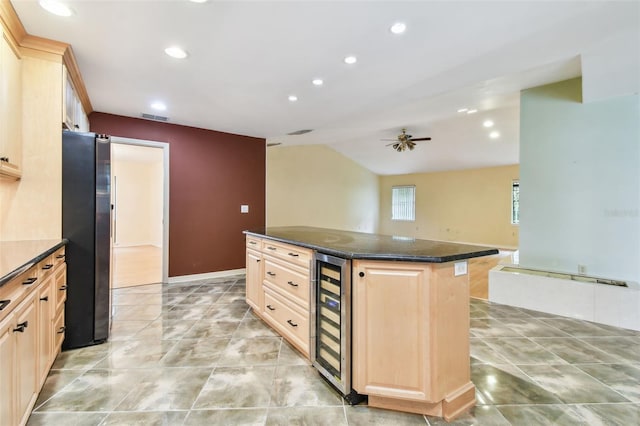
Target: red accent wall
pixel 210 175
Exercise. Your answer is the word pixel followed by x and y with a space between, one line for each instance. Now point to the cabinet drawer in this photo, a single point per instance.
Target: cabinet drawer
pixel 60 288
pixel 293 325
pixel 254 243
pixel 295 283
pixel 45 267
pixel 13 292
pixel 297 255
pixel 58 257
pixel 59 331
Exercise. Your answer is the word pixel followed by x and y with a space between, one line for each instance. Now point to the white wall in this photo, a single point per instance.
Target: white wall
pixel 313 185
pixel 580 182
pixel 138 197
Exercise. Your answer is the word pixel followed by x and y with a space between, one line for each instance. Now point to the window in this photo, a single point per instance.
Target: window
pixel 515 202
pixel 403 203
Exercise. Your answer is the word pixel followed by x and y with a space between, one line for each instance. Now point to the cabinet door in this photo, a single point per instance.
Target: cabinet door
pixel 26 356
pixel 10 110
pixel 7 372
pixel 255 293
pixel 69 103
pixel 391 332
pixel 46 312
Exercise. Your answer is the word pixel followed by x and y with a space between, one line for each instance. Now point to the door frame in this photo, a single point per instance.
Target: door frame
pixel 165 193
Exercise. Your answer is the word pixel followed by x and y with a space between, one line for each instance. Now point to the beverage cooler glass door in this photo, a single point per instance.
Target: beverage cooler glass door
pixel 332 346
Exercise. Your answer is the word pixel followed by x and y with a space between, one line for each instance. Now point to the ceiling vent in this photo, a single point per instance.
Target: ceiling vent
pixel 300 132
pixel 154 117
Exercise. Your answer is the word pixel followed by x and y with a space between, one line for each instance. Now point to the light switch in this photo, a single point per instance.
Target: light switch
pixel 460 268
pixel 244 208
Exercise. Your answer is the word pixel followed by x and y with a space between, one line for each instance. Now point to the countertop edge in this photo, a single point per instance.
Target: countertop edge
pixel 28 264
pixel 370 256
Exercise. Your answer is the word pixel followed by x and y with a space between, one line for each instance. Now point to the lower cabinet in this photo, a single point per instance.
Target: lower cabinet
pixel 254 280
pixel 31 335
pixel 411 337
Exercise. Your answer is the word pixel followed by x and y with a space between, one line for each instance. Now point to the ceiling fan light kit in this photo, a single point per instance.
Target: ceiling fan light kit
pixel 404 141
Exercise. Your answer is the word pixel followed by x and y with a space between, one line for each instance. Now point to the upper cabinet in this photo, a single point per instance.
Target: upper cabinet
pixel 10 109
pixel 73 114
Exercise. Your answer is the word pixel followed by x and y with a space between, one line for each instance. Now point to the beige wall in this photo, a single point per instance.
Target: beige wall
pixel 31 208
pixel 471 206
pixel 317 186
pixel 138 202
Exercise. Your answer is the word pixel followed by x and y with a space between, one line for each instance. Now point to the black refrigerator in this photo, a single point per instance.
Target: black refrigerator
pixel 86 223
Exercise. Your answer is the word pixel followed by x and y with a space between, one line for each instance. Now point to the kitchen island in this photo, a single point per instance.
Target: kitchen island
pixel 407 312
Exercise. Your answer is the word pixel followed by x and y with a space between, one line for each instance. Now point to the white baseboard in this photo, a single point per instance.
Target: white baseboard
pixel 208 275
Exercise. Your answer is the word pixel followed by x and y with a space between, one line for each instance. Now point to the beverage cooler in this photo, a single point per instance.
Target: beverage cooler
pixel 331 345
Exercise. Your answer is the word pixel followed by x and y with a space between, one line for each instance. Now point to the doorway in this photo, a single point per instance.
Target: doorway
pixel 140 199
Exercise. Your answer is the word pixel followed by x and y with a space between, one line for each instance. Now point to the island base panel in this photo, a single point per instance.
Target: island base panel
pixel 449 408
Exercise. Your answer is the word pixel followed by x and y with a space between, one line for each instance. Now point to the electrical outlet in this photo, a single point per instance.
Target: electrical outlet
pixel 582 269
pixel 460 268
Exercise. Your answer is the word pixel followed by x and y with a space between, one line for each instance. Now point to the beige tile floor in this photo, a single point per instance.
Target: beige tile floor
pixel 194 354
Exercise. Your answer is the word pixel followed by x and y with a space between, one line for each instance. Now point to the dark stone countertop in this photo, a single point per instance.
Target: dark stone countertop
pixel 18 256
pixel 359 245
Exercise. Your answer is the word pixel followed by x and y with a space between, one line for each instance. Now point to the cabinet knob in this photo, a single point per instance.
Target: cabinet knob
pixel 271 308
pixel 29 281
pixel 63 288
pixel 47 266
pixel 292 284
pixel 294 254
pixel 21 326
pixel 4 303
pixel 271 274
pixel 271 248
pixel 361 274
pixel 60 256
pixel 44 299
pixel 291 323
pixel 61 329
pixel 4 159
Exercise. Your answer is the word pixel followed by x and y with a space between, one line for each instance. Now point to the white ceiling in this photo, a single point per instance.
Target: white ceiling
pixel 246 57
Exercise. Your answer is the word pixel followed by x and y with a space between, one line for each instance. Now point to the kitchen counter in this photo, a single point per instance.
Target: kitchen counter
pixel 360 245
pixel 18 256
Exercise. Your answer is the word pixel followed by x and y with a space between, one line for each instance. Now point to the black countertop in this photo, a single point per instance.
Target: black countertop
pixel 18 256
pixel 359 245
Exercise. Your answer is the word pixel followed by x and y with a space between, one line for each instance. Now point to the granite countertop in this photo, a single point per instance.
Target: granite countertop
pixel 359 245
pixel 18 256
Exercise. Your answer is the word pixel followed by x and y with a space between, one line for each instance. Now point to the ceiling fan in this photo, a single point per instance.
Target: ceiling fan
pixel 404 141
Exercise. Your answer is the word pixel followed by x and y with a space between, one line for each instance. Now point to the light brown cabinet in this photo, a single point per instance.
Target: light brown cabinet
pixel 10 109
pixel 29 334
pixel 73 115
pixel 278 278
pixel 411 337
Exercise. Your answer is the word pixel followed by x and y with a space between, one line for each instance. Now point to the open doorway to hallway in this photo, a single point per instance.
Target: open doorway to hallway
pixel 139 199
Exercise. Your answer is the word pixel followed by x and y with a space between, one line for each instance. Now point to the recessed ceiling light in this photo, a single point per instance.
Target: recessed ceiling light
pixel 463 110
pixel 317 82
pixel 293 98
pixel 159 106
pixel 398 28
pixel 175 52
pixel 350 60
pixel 472 111
pixel 488 123
pixel 56 7
pixel 494 135
pixel 199 1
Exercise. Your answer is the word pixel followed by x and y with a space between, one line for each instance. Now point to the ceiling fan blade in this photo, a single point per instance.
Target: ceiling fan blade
pixel 411 145
pixel 389 139
pixel 421 139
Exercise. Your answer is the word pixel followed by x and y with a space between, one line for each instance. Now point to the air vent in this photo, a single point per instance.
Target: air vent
pixel 300 132
pixel 154 117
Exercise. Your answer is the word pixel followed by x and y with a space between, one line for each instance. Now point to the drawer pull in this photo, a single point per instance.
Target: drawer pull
pixel 20 327
pixel 4 303
pixel 252 242
pixel 29 281
pixel 47 266
pixel 4 159
pixel 294 254
pixel 291 323
pixel 271 308
pixel 292 284
pixel 271 274
pixel 44 299
pixel 61 330
pixel 63 288
pixel 271 248
pixel 60 256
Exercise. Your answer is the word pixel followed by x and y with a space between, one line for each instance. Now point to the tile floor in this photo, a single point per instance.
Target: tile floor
pixel 194 354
